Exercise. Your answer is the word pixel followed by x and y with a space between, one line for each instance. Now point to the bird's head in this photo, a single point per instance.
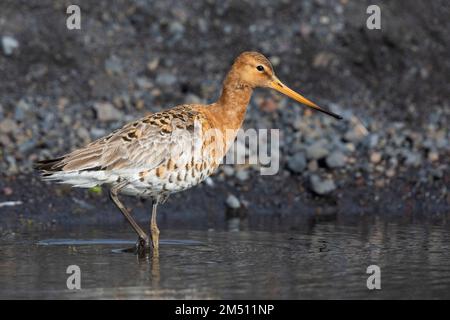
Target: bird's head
pixel 255 70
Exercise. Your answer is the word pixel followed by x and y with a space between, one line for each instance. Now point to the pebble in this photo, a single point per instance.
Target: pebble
pixel 375 157
pixel 412 158
pixel 8 126
pixel 106 112
pixel 373 140
pixel 113 65
pixel 321 186
pixel 7 191
pixel 83 133
pixel 336 160
pixel 27 146
pixel 9 45
pixel 176 28
pixel 433 156
pixel 242 175
pixel 390 173
pixel 228 170
pixel 316 151
pixel 437 173
pixel 166 79
pixel 232 202
pixel 357 133
pixel 153 64
pixel 313 166
pixel 21 109
pixel 297 162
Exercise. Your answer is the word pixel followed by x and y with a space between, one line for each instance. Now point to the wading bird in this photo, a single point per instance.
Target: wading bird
pixel 169 151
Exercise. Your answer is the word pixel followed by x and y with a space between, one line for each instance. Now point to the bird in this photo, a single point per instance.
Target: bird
pixel 172 150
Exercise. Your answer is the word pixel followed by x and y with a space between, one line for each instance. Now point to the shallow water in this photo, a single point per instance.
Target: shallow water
pixel 327 261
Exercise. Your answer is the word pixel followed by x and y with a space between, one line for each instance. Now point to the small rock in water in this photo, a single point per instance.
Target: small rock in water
pixel 321 187
pixel 297 162
pixel 336 160
pixel 107 112
pixel 9 44
pixel 232 202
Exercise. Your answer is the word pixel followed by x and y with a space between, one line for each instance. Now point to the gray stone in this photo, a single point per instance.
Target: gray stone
pixel 316 151
pixel 83 133
pixel 9 44
pixel 437 173
pixel 21 109
pixel 313 166
pixel 8 126
pixel 176 28
pixel 372 140
pixel 321 187
pixel 144 83
pixel 375 157
pixel 113 65
pixel 107 112
pixel 228 170
pixel 297 162
pixel 232 202
pixel 336 160
pixel 242 175
pixel 166 79
pixel 357 133
pixel 412 158
pixel 27 146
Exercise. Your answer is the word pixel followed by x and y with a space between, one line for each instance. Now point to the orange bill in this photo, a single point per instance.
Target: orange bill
pixel 279 86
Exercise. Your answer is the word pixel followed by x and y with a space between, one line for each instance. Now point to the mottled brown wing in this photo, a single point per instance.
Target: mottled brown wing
pixel 144 143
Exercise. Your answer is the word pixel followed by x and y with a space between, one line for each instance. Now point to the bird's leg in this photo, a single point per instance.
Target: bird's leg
pixel 154 228
pixel 114 197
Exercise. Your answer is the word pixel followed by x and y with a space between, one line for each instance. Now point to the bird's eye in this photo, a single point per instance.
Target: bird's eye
pixel 260 68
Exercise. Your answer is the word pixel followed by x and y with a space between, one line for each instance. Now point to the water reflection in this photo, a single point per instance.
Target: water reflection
pixel 321 259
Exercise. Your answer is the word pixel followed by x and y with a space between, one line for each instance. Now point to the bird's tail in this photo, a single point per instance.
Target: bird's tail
pixel 49 166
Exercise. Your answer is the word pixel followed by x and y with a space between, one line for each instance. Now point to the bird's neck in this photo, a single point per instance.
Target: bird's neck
pixel 231 107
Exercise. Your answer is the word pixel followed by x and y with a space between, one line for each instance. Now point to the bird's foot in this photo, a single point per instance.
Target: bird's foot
pixel 142 245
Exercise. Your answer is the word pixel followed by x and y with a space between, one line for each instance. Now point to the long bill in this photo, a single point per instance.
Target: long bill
pixel 279 86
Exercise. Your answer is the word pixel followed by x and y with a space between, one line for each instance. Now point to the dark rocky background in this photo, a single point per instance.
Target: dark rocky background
pixel 60 89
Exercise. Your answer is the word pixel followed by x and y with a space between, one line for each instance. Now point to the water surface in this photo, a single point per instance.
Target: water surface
pixel 327 261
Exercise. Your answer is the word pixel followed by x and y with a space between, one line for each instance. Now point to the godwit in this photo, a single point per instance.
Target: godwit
pixel 171 150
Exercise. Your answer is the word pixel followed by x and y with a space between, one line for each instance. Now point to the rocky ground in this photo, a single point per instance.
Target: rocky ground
pixel 60 89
